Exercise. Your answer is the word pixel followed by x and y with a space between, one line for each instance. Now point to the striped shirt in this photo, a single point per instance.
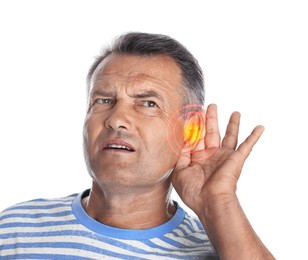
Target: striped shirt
pixel 61 229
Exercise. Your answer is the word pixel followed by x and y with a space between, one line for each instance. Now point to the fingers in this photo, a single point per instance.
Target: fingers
pixel 246 147
pixel 212 137
pixel 231 136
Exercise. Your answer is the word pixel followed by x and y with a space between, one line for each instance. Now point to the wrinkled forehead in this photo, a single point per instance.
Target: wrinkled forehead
pixel 131 84
pixel 132 69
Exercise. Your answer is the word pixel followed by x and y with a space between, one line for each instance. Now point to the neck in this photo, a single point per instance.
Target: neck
pixel 135 208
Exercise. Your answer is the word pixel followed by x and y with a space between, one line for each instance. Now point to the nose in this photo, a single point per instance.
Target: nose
pixel 119 117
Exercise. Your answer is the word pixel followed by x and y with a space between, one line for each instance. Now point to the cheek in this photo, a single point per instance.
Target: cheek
pixel 160 138
pixel 92 129
pixel 175 135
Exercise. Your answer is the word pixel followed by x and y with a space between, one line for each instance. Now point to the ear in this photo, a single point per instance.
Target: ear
pixel 193 129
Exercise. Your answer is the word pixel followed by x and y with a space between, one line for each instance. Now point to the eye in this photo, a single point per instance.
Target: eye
pixel 149 103
pixel 101 104
pixel 103 101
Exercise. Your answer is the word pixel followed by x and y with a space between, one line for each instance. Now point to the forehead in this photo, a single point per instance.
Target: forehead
pixel 160 70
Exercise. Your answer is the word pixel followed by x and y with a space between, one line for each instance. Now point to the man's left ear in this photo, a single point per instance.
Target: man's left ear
pixel 193 129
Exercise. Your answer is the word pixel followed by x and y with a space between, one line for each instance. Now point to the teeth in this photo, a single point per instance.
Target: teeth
pixel 118 146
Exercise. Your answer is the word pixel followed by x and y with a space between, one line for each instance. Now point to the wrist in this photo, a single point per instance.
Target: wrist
pixel 214 208
pixel 217 203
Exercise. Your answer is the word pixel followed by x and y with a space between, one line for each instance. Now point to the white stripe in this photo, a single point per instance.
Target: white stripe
pixel 39 220
pixel 74 227
pixel 35 211
pixel 43 202
pixel 67 198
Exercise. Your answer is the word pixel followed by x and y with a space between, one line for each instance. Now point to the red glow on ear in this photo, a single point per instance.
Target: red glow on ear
pixel 192 130
pixel 194 120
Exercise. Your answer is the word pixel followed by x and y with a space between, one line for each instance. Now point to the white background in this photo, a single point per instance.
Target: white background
pixel 254 55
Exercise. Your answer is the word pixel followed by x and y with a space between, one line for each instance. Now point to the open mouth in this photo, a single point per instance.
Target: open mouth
pixel 118 147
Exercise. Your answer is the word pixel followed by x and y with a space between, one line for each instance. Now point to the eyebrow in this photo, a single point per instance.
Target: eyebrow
pixel 148 94
pixel 100 92
pixel 143 94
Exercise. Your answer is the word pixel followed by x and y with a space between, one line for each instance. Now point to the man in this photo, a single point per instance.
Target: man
pixel 144 132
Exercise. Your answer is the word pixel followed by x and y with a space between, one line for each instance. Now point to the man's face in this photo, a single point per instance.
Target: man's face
pixel 131 100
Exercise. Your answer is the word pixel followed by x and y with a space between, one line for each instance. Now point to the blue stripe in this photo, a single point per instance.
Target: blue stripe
pixel 36 225
pixel 170 251
pixel 188 224
pixel 154 245
pixel 172 242
pixel 193 221
pixel 183 230
pixel 191 237
pixel 196 221
pixel 37 215
pixel 197 240
pixel 71 245
pixel 176 234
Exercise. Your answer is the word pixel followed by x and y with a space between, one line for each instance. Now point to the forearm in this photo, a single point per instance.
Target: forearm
pixel 230 231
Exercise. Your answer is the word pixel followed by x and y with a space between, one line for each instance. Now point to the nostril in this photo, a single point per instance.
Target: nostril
pixel 117 122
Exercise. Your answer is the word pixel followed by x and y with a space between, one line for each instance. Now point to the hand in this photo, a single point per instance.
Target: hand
pixel 213 179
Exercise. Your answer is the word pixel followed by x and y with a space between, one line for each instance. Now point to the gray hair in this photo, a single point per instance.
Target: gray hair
pixel 145 44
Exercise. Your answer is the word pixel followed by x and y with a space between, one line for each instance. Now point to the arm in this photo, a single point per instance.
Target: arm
pixel 208 187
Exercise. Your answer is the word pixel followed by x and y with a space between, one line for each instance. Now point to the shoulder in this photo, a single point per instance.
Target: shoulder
pixel 37 208
pixel 191 235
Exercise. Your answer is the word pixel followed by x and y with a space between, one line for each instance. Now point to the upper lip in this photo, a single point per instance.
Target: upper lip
pixel 117 142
